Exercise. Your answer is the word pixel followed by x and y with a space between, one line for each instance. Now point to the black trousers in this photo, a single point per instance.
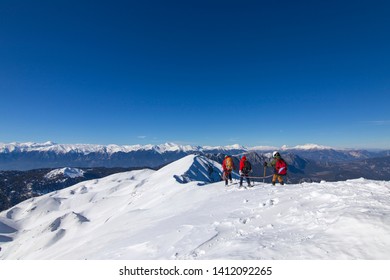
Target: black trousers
pixel 247 179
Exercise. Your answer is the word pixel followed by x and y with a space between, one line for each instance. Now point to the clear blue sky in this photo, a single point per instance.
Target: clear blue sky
pixel 196 72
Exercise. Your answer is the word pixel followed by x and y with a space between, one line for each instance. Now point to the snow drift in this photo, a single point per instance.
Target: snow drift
pixel 183 211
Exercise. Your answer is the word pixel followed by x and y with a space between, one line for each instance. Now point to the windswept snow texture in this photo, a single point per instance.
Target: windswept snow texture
pixel 180 212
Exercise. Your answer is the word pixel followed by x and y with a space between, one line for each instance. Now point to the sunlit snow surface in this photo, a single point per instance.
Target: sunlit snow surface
pixel 65 172
pixel 181 212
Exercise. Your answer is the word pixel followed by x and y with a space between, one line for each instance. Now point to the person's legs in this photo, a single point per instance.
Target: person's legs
pixel 274 178
pixel 225 177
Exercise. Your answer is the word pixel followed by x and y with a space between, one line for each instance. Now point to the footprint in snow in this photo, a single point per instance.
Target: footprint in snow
pixel 270 202
pixel 244 220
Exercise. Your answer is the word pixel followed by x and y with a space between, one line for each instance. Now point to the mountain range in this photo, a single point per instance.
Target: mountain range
pixel 26 156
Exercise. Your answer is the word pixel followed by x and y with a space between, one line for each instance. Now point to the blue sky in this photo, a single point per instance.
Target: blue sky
pixel 196 72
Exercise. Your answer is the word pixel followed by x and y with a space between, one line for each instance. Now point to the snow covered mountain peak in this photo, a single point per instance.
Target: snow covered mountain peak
pixel 172 147
pixel 236 147
pixel 193 168
pixel 68 172
pixel 306 147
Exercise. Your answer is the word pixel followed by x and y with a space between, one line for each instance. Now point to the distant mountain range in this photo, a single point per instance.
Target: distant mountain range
pixel 27 156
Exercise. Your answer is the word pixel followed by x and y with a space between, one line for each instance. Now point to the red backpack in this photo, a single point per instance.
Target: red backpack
pixel 281 167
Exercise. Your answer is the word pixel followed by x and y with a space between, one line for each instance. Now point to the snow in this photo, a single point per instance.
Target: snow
pixel 306 147
pixel 65 172
pixel 263 148
pixel 112 148
pixel 91 148
pixel 180 212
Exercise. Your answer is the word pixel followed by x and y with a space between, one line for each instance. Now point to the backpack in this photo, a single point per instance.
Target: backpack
pixel 229 163
pixel 281 167
pixel 247 167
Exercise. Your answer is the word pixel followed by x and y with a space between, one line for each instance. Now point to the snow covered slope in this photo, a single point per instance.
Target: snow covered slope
pixel 178 212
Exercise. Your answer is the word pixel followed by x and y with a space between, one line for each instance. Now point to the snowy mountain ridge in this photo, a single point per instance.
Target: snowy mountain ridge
pixel 307 147
pixel 88 148
pixel 28 156
pixel 110 149
pixel 180 212
pixel 68 172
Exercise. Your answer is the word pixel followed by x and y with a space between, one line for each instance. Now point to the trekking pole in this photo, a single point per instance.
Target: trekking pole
pixel 265 172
